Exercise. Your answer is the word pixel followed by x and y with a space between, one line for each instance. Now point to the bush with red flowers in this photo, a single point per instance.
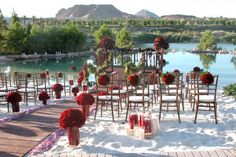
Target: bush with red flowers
pixel 168 78
pixel 107 43
pixel 14 97
pixel 207 78
pixel 43 96
pixel 57 87
pixel 196 69
pixel 103 80
pixel 43 75
pixel 85 99
pixel 60 74
pixel 160 43
pixel 133 79
pixel 72 118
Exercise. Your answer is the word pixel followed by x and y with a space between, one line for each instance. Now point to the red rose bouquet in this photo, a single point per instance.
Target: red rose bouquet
pixel 207 78
pixel 57 88
pixel 133 79
pixel 72 119
pixel 75 90
pixel 103 80
pixel 107 43
pixel 168 78
pixel 59 74
pixel 160 43
pixel 81 77
pixel 14 98
pixel 176 71
pixel 72 68
pixel 43 96
pixel 43 75
pixel 85 99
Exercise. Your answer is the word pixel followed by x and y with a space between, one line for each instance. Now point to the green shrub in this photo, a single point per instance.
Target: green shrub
pixel 230 90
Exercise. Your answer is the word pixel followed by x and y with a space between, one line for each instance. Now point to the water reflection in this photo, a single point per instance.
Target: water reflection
pixel 207 60
pixel 233 60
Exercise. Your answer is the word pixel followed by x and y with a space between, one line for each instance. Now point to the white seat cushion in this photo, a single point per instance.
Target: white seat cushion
pixel 3 94
pixel 122 91
pixel 201 91
pixel 43 86
pixel 28 90
pixel 205 98
pixel 8 88
pixel 172 86
pixel 169 98
pixel 145 92
pixel 139 98
pixel 108 97
pixel 151 87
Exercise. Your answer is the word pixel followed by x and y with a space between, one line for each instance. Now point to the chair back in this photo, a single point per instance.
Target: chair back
pixel 3 80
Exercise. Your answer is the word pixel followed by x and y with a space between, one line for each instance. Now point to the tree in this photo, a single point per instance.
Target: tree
pixel 15 36
pixel 123 39
pixel 207 60
pixel 207 41
pixel 2 28
pixel 102 32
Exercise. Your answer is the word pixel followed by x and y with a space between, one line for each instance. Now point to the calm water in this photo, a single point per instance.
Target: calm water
pixel 178 58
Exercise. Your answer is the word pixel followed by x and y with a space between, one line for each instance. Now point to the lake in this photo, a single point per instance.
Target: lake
pixel 222 64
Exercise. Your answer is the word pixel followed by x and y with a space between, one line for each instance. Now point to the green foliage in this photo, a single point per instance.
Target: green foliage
pixel 230 90
pixel 2 28
pixel 143 37
pixel 233 60
pixel 123 39
pixel 15 38
pixel 207 60
pixel 102 32
pixel 207 41
pixel 230 37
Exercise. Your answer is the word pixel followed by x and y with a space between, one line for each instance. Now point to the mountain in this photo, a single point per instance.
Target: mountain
pixel 178 16
pixel 146 14
pixel 93 11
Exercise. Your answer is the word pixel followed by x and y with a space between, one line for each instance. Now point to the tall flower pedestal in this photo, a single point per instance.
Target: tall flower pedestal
pixel 58 95
pixel 73 136
pixel 85 110
pixel 45 101
pixel 15 107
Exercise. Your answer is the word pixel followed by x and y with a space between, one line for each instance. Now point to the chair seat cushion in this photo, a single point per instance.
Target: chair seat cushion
pixel 169 98
pixel 43 86
pixel 8 88
pixel 153 87
pixel 26 90
pixel 108 97
pixel 201 91
pixel 145 92
pixel 139 98
pixel 122 91
pixel 205 98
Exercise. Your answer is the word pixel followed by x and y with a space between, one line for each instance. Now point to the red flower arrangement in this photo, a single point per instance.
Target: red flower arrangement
pixel 196 69
pixel 28 75
pixel 133 79
pixel 107 43
pixel 75 90
pixel 85 99
pixel 57 88
pixel 207 78
pixel 14 98
pixel 72 118
pixel 72 68
pixel 168 78
pixel 60 74
pixel 81 77
pixel 43 96
pixel 103 80
pixel 43 75
pixel 160 43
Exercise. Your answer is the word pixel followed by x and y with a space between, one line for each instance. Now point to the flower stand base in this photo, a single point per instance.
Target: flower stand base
pixel 73 136
pixel 45 102
pixel 58 95
pixel 86 110
pixel 15 107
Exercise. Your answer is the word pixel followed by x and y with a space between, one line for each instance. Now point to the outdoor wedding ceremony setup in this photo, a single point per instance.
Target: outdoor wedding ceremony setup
pixel 122 104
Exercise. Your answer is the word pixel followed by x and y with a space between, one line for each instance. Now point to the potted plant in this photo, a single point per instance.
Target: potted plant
pixel 85 100
pixel 14 98
pixel 43 96
pixel 57 88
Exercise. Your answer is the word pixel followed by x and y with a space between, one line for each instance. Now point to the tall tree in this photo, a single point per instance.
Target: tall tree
pixel 207 41
pixel 123 39
pixel 2 28
pixel 102 32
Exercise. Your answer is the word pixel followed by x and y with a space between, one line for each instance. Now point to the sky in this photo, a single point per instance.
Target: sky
pixel 49 8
